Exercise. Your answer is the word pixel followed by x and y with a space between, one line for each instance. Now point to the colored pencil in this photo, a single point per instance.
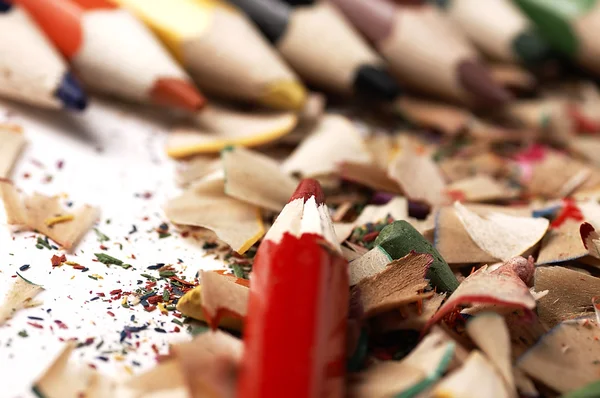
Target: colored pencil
pixel 424 51
pixel 222 50
pixel 295 330
pixel 499 29
pixel 114 53
pixel 32 69
pixel 571 26
pixel 321 45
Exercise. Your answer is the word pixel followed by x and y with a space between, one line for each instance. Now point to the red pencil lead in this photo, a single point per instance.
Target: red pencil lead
pixel 307 188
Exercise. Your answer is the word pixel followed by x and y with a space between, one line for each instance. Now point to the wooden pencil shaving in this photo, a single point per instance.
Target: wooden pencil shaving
pixel 256 179
pixel 20 296
pixel 333 140
pixel 220 300
pixel 565 358
pixel 46 215
pixel 502 236
pixel 398 284
pixel 12 141
pixel 205 204
pixel 369 175
pixel 448 119
pixel 370 263
pixel 410 316
pixel 196 168
pixel 220 126
pixel 480 188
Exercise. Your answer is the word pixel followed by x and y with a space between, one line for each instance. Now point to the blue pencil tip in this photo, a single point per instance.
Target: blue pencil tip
pixel 71 94
pixel 4 7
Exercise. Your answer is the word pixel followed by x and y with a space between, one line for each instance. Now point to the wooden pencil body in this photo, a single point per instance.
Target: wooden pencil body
pixel 586 28
pixel 419 60
pixel 324 48
pixel 491 24
pixel 30 68
pixel 121 57
pixel 220 47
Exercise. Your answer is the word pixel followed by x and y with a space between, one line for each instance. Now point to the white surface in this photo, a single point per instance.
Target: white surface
pixel 132 162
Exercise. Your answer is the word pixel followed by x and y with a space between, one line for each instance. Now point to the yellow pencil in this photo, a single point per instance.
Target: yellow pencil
pixel 222 50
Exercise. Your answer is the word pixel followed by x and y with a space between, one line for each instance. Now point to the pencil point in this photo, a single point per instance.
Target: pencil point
pixel 376 83
pixel 178 93
pixel 532 48
pixel 286 95
pixel 70 93
pixel 4 7
pixel 476 79
pixel 307 188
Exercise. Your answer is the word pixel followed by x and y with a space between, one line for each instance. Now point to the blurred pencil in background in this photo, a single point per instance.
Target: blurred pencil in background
pixel 499 29
pixel 325 50
pixel 424 51
pixel 571 26
pixel 114 53
pixel 222 50
pixel 32 69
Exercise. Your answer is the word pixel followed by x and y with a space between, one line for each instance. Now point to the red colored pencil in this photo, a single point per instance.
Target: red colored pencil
pixel 295 331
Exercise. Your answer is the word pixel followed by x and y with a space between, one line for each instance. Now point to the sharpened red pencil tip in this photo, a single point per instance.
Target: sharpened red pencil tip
pixel 585 230
pixel 309 187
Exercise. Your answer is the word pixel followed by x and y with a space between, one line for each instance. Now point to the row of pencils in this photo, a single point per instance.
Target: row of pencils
pixel 174 52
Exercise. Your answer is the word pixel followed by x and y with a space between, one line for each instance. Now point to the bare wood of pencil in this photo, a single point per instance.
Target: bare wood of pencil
pixel 323 47
pixel 425 51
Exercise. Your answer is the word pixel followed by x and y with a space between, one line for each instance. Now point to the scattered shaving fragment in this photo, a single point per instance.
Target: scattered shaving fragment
pixel 488 330
pixel 569 294
pixel 35 211
pixel 502 287
pixel 409 377
pixel 397 208
pixel 12 141
pixel 334 140
pixel 370 263
pixel 448 119
pixel 419 176
pixel 196 168
pixel 369 175
pixel 475 379
pixel 480 188
pixel 221 126
pixel 256 179
pixel 409 316
pixel 20 296
pixel 554 175
pixel 205 204
pixel 502 236
pixel 562 243
pixel 399 283
pixel 565 358
pixel 220 300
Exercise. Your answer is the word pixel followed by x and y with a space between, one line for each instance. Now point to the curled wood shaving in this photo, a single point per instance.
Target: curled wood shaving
pixel 256 179
pixel 19 296
pixel 502 236
pixel 34 211
pixel 370 263
pixel 398 284
pixel 205 204
pixel 334 140
pixel 566 358
pixel 409 316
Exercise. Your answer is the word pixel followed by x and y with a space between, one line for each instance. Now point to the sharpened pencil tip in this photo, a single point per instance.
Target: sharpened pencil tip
pixel 532 48
pixel 177 93
pixel 4 7
pixel 284 95
pixel 307 188
pixel 376 83
pixel 476 79
pixel 70 93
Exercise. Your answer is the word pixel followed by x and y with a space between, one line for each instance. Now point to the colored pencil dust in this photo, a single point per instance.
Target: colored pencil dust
pixel 424 51
pixel 114 53
pixel 32 69
pixel 306 36
pixel 294 336
pixel 222 51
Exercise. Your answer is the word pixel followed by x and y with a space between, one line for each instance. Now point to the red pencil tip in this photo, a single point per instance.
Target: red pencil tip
pixel 177 93
pixel 476 79
pixel 309 187
pixel 585 230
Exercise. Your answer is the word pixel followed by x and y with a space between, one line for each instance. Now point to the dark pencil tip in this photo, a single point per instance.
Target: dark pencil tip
pixel 532 48
pixel 70 93
pixel 376 83
pixel 4 7
pixel 308 188
pixel 476 79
